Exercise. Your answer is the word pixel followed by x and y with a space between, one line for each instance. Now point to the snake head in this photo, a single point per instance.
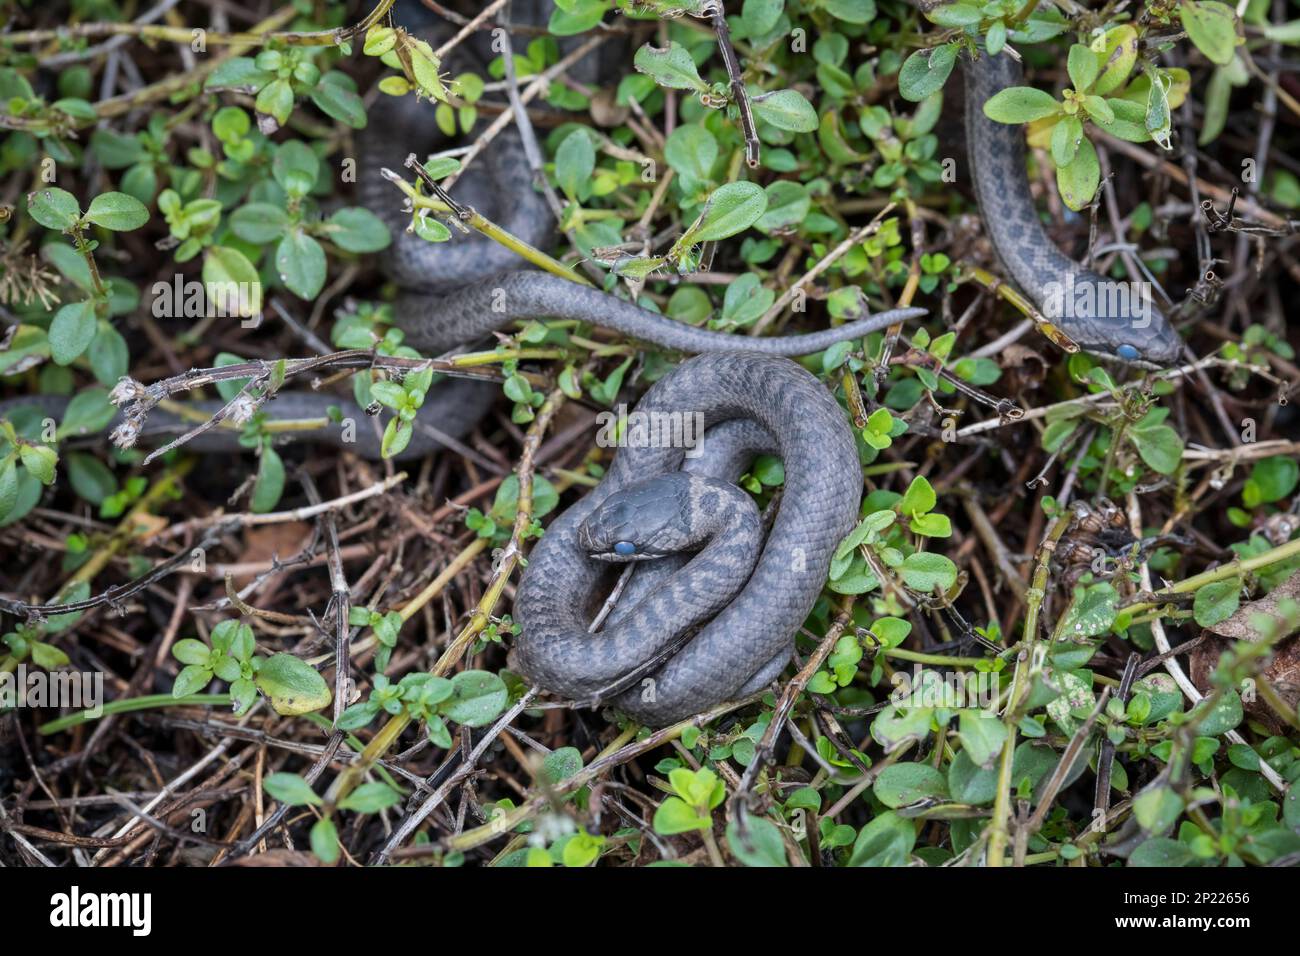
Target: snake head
pixel 642 522
pixel 1113 319
pixel 1148 341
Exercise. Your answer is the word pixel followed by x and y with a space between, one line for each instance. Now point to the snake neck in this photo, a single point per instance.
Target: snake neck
pixel 1101 315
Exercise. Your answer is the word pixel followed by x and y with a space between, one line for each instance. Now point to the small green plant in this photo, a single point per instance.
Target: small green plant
pixel 695 795
pixel 291 685
pixel 1105 93
pixel 891 534
pixel 470 698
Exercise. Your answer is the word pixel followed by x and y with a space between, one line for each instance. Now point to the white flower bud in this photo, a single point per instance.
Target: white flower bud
pixel 125 434
pixel 126 390
pixel 242 410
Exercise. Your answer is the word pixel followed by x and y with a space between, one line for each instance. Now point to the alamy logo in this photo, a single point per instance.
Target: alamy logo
pixel 624 429
pixel 75 909
pixel 975 690
pixel 1071 299
pixel 79 690
pixel 179 299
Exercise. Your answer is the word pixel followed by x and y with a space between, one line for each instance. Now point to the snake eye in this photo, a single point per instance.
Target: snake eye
pixel 625 548
pixel 1128 353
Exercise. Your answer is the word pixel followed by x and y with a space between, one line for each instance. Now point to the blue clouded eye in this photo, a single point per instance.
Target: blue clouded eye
pixel 1128 353
pixel 624 548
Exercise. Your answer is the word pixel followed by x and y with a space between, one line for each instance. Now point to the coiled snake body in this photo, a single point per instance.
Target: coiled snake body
pixel 750 403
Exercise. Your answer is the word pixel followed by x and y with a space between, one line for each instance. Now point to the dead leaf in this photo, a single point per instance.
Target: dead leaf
pixel 1238 627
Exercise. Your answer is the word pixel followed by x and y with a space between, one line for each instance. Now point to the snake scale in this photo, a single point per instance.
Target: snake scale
pixel 689 630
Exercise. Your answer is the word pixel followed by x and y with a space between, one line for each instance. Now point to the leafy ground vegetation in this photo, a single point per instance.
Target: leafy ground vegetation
pixel 1059 635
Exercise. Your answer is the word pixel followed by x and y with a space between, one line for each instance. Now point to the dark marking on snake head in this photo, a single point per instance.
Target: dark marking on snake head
pixel 641 522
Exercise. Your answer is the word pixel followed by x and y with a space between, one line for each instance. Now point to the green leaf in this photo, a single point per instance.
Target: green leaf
pixel 1245 757
pixel 259 223
pixel 1117 57
pixel 925 72
pixel 325 841
pixel 1078 181
pixel 117 150
pixel 1212 26
pixel 269 485
pixel 1157 809
pixel 397 435
pixel 982 736
pixel 1082 66
pixel 338 102
pixel 40 460
pixel 918 499
pixel 228 277
pixel 1271 479
pixel 760 17
pixel 238 72
pixel 671 67
pixel 571 18
pixel 191 680
pixel 1224 715
pixel 758 844
pixel 88 412
pixel 745 300
pixel 1216 602
pixel 1129 121
pixel 292 685
pixel 358 715
pixel 48 656
pixel 1067 136
pixel 559 765
pixel 1020 104
pixel 276 100
pixel 300 262
pixel 53 208
pixel 575 161
pixel 90 477
pixel 425 67
pixel 1158 118
pixel 117 211
pixel 886 841
pixel 8 486
pixel 1091 613
pixel 691 150
pixel 290 789
pixel 108 355
pixel 390 394
pixel 431 230
pixel 478 698
pixel 358 230
pixel 675 816
pixel 371 798
pixel 923 571
pixel 1162 852
pixel 996 38
pixel 851 11
pixel 955 14
pixel 296 167
pixel 72 331
pixel 903 783
pixel 190 651
pixel 1160 447
pixel 731 209
pixel 787 110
